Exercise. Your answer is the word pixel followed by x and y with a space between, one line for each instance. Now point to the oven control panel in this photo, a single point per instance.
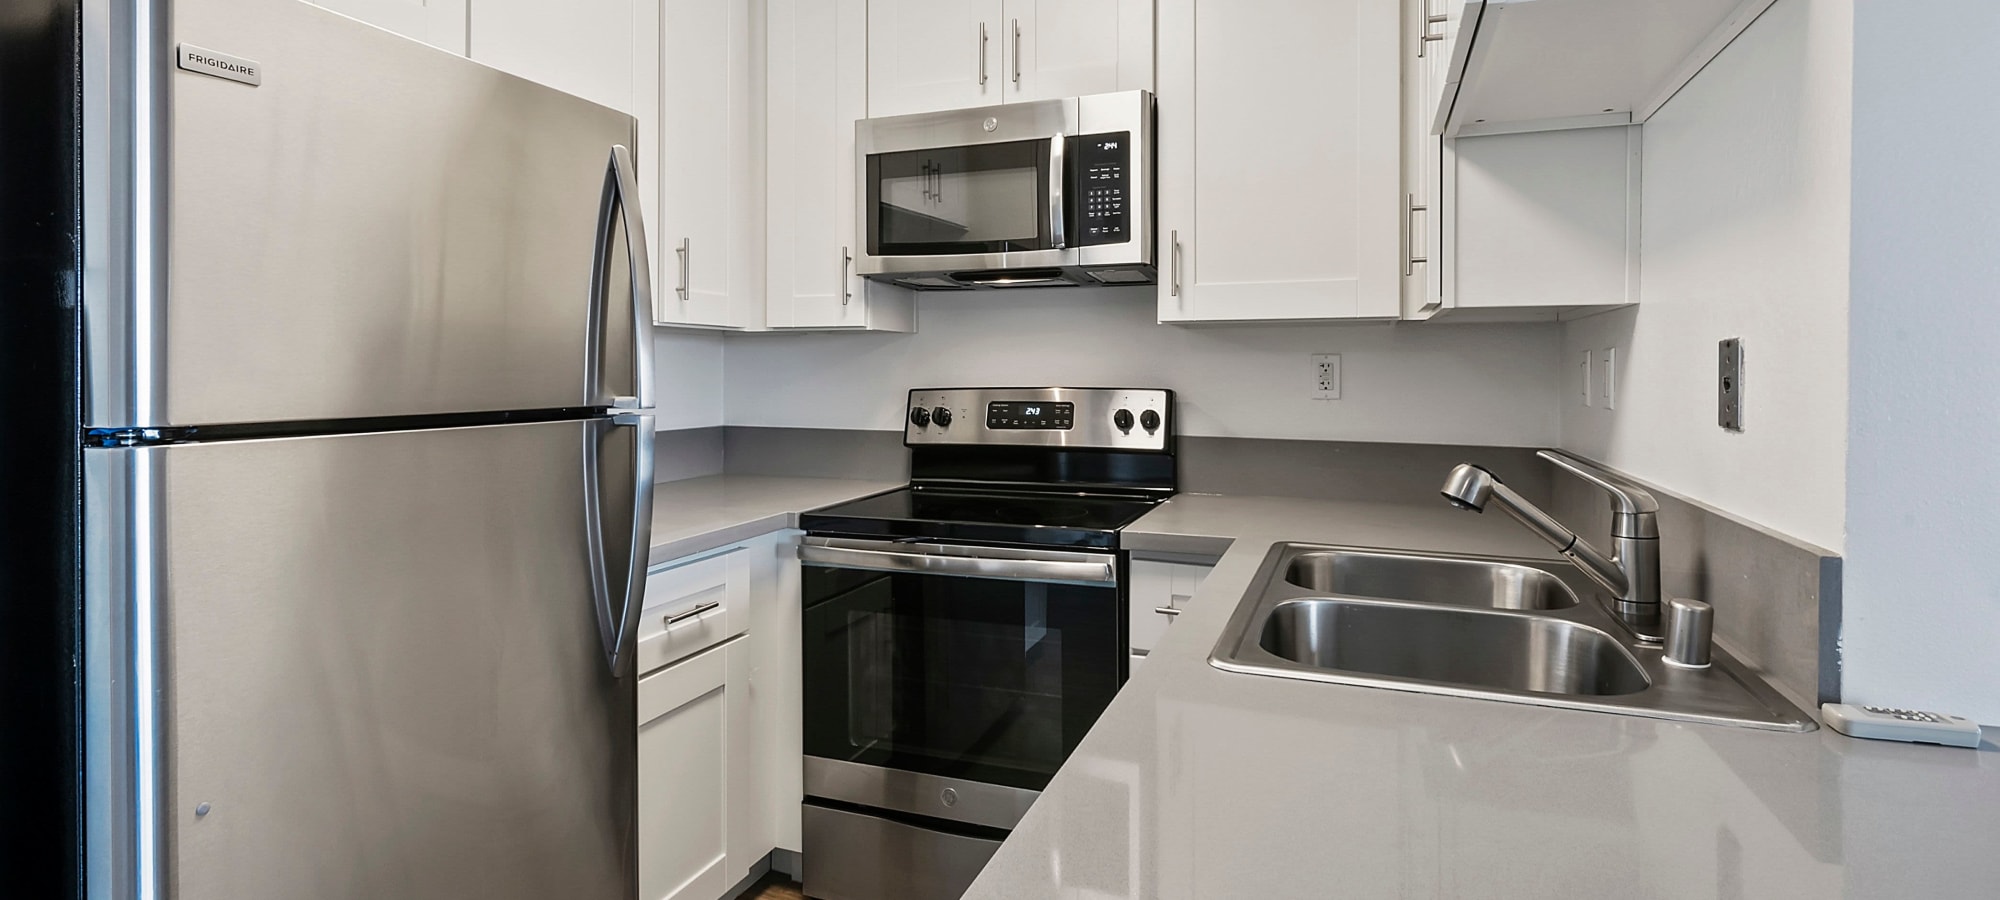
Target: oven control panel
pixel 1130 419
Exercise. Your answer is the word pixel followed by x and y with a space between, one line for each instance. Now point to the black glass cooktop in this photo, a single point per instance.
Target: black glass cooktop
pixel 1019 517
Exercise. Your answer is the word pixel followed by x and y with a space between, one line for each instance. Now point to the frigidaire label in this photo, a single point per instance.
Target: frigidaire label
pixel 220 65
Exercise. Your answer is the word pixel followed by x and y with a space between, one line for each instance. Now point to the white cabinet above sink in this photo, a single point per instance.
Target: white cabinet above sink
pixel 1539 65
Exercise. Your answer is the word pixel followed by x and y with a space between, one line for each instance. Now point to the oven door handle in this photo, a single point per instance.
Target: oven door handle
pixel 1053 568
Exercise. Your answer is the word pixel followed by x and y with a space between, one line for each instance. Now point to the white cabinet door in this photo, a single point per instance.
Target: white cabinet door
pixel 720 754
pixel 817 83
pixel 683 785
pixel 1158 586
pixel 1425 63
pixel 1069 48
pixel 439 23
pixel 584 47
pixel 1544 221
pixel 778 691
pixel 1280 159
pixel 926 55
pixel 706 269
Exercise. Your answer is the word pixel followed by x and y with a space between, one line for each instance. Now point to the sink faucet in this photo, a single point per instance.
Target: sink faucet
pixel 1631 574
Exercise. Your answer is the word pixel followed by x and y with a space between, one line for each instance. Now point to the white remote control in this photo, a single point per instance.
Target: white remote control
pixel 1914 726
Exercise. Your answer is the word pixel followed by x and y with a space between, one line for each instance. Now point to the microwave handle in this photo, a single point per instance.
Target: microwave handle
pixel 1057 175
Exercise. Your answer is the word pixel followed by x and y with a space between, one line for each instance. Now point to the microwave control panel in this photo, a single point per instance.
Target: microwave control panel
pixel 1103 171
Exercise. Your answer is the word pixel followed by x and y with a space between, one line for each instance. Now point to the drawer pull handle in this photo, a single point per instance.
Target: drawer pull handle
pixel 1166 610
pixel 680 617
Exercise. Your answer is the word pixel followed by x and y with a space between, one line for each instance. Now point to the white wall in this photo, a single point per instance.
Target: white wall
pixel 1475 384
pixel 1922 617
pixel 687 375
pixel 1744 234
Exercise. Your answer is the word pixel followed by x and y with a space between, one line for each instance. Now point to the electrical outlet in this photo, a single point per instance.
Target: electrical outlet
pixel 1587 376
pixel 1608 386
pixel 1326 376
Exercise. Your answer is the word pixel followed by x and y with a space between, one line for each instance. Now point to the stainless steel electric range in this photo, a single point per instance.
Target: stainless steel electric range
pixel 962 633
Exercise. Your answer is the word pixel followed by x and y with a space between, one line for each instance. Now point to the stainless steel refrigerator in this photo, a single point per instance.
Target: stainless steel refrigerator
pixel 366 475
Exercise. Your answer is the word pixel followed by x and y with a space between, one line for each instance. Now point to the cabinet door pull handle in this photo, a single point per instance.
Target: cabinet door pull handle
pixel 982 54
pixel 1174 282
pixel 1411 238
pixel 1427 36
pixel 679 617
pixel 1017 53
pixel 682 289
pixel 846 259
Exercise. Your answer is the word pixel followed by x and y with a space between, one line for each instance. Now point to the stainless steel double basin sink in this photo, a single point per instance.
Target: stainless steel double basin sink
pixel 1517 630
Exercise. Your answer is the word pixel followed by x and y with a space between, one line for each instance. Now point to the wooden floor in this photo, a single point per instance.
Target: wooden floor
pixel 774 886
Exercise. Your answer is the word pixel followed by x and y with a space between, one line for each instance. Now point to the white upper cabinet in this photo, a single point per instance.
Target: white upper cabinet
pixel 1541 224
pixel 1507 227
pixel 817 83
pixel 1427 46
pixel 584 47
pixel 439 23
pixel 682 68
pixel 1070 48
pixel 928 55
pixel 702 211
pixel 1559 64
pixel 1281 179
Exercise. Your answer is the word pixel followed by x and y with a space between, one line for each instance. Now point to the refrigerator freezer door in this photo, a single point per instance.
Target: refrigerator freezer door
pixel 377 663
pixel 378 228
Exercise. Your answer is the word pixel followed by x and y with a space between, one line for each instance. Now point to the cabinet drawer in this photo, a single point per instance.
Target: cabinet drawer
pixel 693 605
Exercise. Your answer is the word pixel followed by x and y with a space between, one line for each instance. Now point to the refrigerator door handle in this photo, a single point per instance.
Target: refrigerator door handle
pixel 618 583
pixel 621 199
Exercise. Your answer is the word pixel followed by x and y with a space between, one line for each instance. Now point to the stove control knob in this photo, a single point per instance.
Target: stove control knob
pixel 1122 419
pixel 920 416
pixel 942 416
pixel 1149 420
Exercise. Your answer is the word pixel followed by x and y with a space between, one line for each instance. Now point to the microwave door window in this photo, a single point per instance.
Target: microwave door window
pixel 963 200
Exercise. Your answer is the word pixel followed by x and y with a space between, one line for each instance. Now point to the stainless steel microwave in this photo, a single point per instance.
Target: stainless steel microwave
pixel 1052 193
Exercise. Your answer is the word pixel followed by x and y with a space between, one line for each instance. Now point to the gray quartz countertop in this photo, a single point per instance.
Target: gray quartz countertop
pixel 700 514
pixel 1203 784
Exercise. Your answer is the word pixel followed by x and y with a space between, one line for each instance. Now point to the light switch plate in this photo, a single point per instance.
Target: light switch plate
pixel 1729 384
pixel 1607 390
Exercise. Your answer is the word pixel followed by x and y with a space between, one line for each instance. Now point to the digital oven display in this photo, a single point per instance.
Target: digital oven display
pixel 1022 415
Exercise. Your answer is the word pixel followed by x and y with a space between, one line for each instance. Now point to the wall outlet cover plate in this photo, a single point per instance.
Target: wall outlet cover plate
pixel 1729 384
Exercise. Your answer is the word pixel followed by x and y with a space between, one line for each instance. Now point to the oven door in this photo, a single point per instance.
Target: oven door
pixel 953 681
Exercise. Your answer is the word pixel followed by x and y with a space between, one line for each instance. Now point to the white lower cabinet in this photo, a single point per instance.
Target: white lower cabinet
pixel 1158 586
pixel 719 749
pixel 684 736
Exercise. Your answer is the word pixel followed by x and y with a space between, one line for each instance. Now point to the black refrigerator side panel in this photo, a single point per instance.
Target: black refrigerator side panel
pixel 40 322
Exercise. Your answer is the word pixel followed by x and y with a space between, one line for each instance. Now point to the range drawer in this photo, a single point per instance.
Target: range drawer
pixel 855 856
pixel 693 605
